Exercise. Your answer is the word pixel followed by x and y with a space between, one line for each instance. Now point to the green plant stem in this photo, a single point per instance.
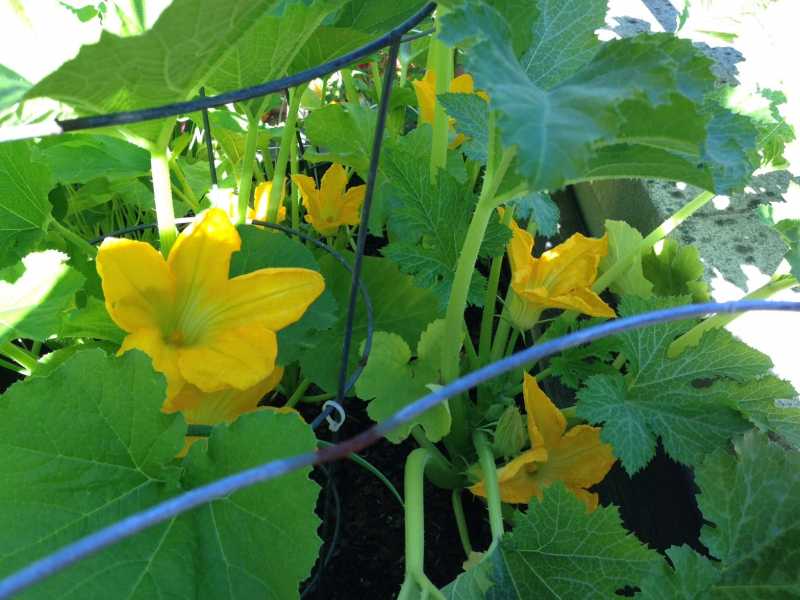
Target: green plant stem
pixel 294 196
pixel 11 366
pixel 512 341
pixel 440 60
pixel 501 336
pixel 317 398
pixel 351 92
pixel 73 237
pixel 472 355
pixel 492 486
pixel 416 584
pixel 362 462
pixel 655 236
pixel 188 193
pixel 287 139
pixel 298 393
pixel 162 192
pixel 490 302
pixel 440 471
pixel 465 267
pixel 461 522
pixel 246 177
pixel 692 337
pixel 19 355
pixel 376 77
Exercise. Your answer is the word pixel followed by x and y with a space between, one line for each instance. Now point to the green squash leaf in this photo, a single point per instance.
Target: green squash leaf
pixel 691 576
pixel 344 134
pixel 688 401
pixel 268 48
pixel 24 207
pixel 751 500
pixel 773 405
pixel 391 380
pixel 398 307
pixel 12 87
pixel 676 270
pixel 556 537
pixel 539 207
pixel 622 241
pixel 574 365
pixel 168 63
pixel 78 158
pixel 100 449
pixel 563 39
pixel 471 113
pixel 91 321
pixel 432 219
pixel 32 307
pixel 573 131
pixel 262 249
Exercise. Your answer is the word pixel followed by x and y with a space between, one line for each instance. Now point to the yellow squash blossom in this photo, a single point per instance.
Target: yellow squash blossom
pixel 331 206
pixel 261 203
pixel 200 327
pixel 561 277
pixel 577 457
pixel 425 89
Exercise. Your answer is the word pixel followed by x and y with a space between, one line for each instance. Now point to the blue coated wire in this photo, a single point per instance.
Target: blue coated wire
pixel 68 555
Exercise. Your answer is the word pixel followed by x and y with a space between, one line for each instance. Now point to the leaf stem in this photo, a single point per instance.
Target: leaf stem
pixel 162 192
pixel 351 92
pixel 368 466
pixel 440 471
pixel 490 302
pixel 287 138
pixel 298 393
pixel 70 235
pixel 20 356
pixel 415 528
pixel 489 469
pixel 461 522
pixel 440 60
pixel 246 177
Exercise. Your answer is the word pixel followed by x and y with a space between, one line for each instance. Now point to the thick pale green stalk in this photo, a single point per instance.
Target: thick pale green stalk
pixel 246 177
pixel 294 196
pixel 416 584
pixel 440 60
pixel 692 337
pixel 490 302
pixel 287 139
pixel 491 484
pixel 440 470
pixel 19 355
pixel 162 191
pixel 298 393
pixel 461 522
pixel 658 234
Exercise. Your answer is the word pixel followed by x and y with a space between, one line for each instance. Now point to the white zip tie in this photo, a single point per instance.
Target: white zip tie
pixel 333 424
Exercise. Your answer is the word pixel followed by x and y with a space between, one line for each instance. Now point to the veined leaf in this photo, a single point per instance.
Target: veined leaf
pixel 561 132
pixel 751 498
pixel 390 381
pixel 24 207
pixel 676 270
pixel 471 113
pixel 690 402
pixel 100 449
pixel 398 307
pixel 344 134
pixel 168 63
pixel 433 219
pixel 623 240
pixel 691 576
pixel 78 158
pixel 32 306
pixel 12 87
pixel 556 537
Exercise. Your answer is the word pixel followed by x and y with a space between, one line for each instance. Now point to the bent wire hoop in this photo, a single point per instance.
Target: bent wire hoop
pixel 131 525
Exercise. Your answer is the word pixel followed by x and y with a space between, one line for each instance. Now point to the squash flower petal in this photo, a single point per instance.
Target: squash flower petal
pixel 576 457
pixel 261 203
pixel 199 326
pixel 561 277
pixel 330 206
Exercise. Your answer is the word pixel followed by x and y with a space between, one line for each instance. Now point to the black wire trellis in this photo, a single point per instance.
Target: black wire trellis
pixel 124 528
